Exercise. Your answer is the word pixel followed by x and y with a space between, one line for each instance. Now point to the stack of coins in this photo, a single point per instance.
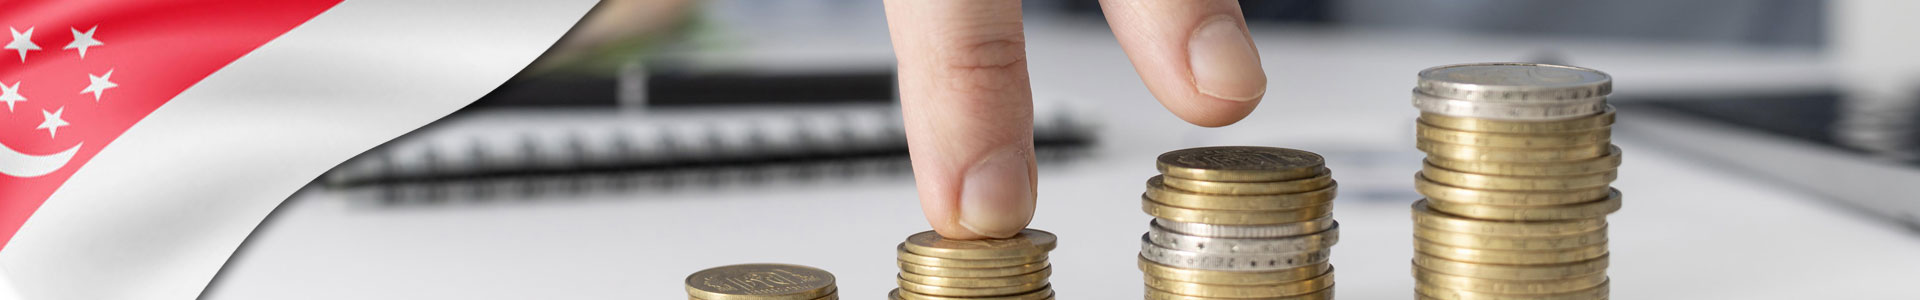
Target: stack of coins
pixel 936 268
pixel 1239 223
pixel 1516 181
pixel 761 282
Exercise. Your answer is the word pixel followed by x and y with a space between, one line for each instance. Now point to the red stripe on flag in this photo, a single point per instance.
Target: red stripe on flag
pixel 134 55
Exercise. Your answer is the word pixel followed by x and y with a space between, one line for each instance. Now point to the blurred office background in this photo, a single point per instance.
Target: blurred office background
pixel 1762 137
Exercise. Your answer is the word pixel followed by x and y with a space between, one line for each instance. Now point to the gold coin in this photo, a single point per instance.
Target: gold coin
pixel 1509 257
pixel 1595 209
pixel 901 252
pixel 1240 164
pixel 1247 188
pixel 1516 183
pixel 760 282
pixel 1232 217
pixel 1511 272
pixel 1597 121
pixel 1045 293
pixel 1425 217
pixel 1242 291
pixel 1468 152
pixel 935 290
pixel 1506 242
pixel 1245 231
pixel 1029 242
pixel 1558 168
pixel 830 296
pixel 979 282
pixel 1175 197
pixel 1508 286
pixel 1232 277
pixel 1435 190
pixel 1514 140
pixel 971 272
pixel 1436 292
pixel 1323 294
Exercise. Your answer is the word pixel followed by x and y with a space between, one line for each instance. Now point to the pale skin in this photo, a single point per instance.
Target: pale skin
pixel 968 106
pixel 966 99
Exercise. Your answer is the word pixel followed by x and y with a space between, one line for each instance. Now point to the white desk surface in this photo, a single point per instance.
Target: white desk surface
pixel 1689 231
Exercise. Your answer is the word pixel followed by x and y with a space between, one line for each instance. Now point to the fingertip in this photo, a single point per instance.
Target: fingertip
pixel 1197 57
pixel 944 217
pixel 1222 59
pixel 1211 112
pixel 953 230
pixel 984 233
pixel 997 195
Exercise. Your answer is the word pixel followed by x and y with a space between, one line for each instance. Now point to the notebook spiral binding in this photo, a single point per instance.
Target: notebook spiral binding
pixel 499 155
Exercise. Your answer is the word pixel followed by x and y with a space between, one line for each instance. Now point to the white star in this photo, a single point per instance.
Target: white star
pixel 11 94
pixel 22 42
pixel 98 84
pixel 82 40
pixel 52 121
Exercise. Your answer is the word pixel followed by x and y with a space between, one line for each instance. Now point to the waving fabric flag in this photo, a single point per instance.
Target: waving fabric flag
pixel 141 141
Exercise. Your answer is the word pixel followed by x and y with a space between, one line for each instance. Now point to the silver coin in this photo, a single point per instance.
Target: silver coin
pixel 1525 82
pixel 1318 241
pixel 1510 111
pixel 1229 262
pixel 1246 231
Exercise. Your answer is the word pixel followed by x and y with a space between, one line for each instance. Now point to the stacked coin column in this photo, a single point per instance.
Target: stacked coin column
pixel 1517 175
pixel 1239 223
pixel 762 282
pixel 936 268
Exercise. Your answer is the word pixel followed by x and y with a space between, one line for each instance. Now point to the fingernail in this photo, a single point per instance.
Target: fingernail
pixel 997 198
pixel 1224 63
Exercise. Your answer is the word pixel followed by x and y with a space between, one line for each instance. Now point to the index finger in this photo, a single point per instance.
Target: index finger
pixel 968 112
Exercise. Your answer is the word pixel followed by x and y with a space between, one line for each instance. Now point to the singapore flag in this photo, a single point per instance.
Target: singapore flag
pixel 142 140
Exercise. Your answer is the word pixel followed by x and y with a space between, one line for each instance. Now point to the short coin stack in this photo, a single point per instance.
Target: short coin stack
pixel 1239 223
pixel 1517 182
pixel 761 282
pixel 936 268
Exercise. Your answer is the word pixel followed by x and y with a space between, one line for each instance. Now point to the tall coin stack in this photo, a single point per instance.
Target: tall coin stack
pixel 936 268
pixel 761 282
pixel 1517 175
pixel 1239 223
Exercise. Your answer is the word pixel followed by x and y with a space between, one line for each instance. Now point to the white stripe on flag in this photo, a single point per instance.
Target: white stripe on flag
pixel 155 214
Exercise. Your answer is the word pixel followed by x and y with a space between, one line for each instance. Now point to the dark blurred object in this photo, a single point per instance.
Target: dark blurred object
pixel 1796 140
pixel 1883 125
pixel 1778 23
pixel 698 89
pixel 1821 117
pixel 520 152
pixel 1808 117
pixel 663 87
pixel 555 90
pixel 1787 23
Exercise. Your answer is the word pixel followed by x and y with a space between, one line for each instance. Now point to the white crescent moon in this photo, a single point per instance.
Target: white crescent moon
pixel 16 164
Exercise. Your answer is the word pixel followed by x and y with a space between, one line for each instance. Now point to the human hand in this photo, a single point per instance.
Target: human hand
pixel 968 107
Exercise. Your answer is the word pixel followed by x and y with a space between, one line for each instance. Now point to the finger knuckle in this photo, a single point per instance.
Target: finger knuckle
pixel 986 62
